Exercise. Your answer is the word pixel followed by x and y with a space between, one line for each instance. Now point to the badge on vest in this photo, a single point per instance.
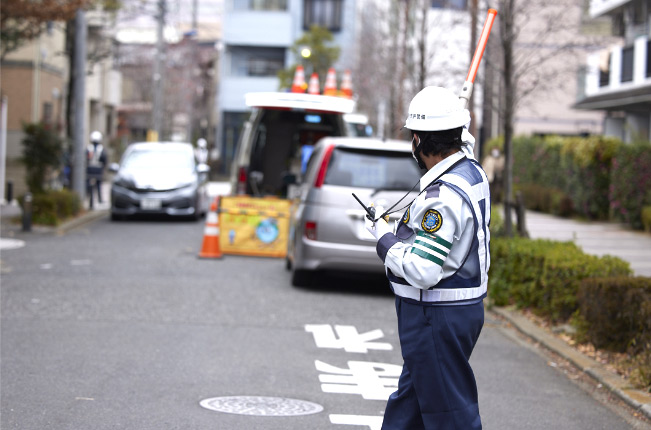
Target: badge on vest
pixel 432 221
pixel 405 217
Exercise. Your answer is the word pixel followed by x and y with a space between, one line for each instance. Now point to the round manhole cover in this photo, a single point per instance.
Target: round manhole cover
pixel 261 406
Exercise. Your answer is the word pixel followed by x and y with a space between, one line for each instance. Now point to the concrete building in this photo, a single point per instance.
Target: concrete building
pixel 35 81
pixel 618 78
pixel 553 41
pixel 191 33
pixel 255 46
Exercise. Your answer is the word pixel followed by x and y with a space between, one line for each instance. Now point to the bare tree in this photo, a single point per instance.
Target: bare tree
pixel 539 43
pixel 403 47
pixel 22 21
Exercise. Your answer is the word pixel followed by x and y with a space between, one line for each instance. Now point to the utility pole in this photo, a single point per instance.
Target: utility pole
pixel 403 69
pixel 193 67
pixel 473 43
pixel 79 159
pixel 159 72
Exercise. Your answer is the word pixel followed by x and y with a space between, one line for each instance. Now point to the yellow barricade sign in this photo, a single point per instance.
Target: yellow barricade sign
pixel 254 226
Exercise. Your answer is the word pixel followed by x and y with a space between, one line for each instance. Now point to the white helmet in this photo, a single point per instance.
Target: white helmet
pixel 201 143
pixel 435 109
pixel 96 136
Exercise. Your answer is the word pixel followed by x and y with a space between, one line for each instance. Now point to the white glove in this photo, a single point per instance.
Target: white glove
pixel 380 227
pixel 469 143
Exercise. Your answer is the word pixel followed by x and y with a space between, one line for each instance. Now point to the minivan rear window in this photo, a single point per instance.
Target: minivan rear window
pixel 387 170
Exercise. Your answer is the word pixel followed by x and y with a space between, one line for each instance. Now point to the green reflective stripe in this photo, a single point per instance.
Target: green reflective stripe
pixel 434 238
pixel 426 255
pixel 430 244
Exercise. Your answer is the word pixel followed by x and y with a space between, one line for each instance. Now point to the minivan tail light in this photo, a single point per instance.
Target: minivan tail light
pixel 241 180
pixel 310 230
pixel 324 167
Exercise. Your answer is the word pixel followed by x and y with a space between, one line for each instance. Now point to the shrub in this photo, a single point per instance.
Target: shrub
pixel 53 206
pixel 42 151
pixel 646 218
pixel 630 183
pixel 544 274
pixel 497 223
pixel 545 199
pixel 617 312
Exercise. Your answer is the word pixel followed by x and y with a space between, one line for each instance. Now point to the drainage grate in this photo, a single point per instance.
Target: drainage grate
pixel 261 406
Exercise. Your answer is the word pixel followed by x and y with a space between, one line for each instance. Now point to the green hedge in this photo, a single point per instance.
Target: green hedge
pixel 594 177
pixel 53 206
pixel 630 188
pixel 566 169
pixel 617 312
pixel 544 275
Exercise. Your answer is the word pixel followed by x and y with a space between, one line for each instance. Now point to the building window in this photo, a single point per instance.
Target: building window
pixel 257 61
pixel 264 66
pixel 260 5
pixel 450 4
pixel 604 72
pixel 325 13
pixel 48 113
pixel 627 64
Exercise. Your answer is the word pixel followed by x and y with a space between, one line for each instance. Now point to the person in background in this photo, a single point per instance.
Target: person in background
pixel 95 166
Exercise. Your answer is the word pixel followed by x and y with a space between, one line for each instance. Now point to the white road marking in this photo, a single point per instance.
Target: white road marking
pixel 372 422
pixel 80 262
pixel 373 381
pixel 6 243
pixel 347 338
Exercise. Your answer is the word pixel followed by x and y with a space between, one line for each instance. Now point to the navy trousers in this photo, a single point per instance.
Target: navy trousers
pixel 437 388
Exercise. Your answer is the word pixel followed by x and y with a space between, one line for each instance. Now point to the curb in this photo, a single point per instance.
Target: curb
pixel 84 219
pixel 637 399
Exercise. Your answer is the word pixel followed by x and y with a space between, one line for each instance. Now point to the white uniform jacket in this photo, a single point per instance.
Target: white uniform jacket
pixel 439 252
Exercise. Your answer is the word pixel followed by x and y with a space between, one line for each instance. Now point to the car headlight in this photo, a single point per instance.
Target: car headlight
pixel 124 183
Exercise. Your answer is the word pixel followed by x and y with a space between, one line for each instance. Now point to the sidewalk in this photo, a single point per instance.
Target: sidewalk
pixel 11 211
pixel 596 238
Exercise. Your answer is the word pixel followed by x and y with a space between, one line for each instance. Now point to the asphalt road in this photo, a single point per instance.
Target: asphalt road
pixel 121 326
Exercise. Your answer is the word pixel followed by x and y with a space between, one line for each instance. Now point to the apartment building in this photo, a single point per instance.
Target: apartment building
pixel 257 36
pixel 553 41
pixel 618 78
pixel 35 81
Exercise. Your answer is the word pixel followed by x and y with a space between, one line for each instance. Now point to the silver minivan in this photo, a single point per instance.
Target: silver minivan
pixel 327 224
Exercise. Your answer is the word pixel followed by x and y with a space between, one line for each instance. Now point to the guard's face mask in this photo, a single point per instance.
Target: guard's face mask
pixel 416 153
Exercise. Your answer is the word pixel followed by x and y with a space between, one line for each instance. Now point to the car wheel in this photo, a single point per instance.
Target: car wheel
pixel 302 278
pixel 116 217
pixel 197 213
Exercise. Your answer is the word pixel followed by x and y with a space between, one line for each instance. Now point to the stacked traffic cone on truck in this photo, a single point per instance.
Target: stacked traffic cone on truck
pixel 298 86
pixel 330 88
pixel 347 85
pixel 210 247
pixel 314 86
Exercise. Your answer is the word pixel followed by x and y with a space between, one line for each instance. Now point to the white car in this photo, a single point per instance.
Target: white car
pixel 159 178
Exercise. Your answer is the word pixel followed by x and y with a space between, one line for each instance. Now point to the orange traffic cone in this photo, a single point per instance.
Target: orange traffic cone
pixel 210 247
pixel 347 85
pixel 314 87
pixel 330 88
pixel 298 86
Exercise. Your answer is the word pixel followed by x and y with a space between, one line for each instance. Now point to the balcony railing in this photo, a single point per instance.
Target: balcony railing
pixel 619 68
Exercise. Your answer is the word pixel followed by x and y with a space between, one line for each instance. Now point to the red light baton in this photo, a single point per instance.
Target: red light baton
pixel 466 91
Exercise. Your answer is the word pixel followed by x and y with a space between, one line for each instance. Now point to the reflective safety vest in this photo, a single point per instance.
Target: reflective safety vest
pixel 439 253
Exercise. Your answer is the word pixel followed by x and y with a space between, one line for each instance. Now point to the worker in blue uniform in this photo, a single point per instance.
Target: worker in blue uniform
pixel 437 260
